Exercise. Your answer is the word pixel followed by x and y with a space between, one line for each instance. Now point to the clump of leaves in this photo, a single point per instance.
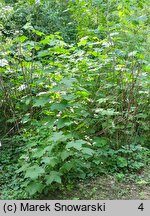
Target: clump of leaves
pixel 81 109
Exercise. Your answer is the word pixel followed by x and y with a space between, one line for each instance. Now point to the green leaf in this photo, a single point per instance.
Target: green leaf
pixel 21 39
pixel 108 112
pixel 34 172
pixel 142 18
pixel 97 161
pixel 63 122
pixel 40 101
pixel 38 32
pixel 23 168
pixel 38 153
pixel 122 162
pixel 58 106
pixel 3 62
pixel 28 26
pixel 52 161
pixel 88 151
pixel 43 53
pixel 47 39
pixel 84 94
pixel 53 177
pixel 100 142
pixel 102 100
pixel 67 166
pixel 65 155
pixel 68 81
pixel 57 136
pixel 83 41
pixel 34 187
pixel 133 53
pixel 77 144
pixel 25 119
pixel 69 97
pixel 48 149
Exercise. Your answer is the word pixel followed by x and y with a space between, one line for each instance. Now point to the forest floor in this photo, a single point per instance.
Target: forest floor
pixel 109 187
pixel 129 186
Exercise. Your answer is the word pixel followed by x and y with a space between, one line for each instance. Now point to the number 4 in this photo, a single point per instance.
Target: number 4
pixel 141 207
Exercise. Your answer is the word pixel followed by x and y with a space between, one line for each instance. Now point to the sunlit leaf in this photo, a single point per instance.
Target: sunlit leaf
pixel 34 172
pixel 77 144
pixel 53 177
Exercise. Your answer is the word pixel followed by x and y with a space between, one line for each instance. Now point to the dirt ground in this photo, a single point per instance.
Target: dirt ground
pixel 109 187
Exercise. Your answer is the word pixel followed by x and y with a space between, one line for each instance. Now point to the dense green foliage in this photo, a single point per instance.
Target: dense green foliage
pixel 74 90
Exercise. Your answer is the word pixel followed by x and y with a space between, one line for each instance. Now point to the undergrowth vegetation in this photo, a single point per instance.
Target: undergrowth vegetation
pixel 74 90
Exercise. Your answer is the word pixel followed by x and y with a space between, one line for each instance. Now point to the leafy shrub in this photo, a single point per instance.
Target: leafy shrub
pixel 79 109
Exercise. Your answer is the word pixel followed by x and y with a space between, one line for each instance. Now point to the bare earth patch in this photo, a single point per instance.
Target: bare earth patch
pixel 109 187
